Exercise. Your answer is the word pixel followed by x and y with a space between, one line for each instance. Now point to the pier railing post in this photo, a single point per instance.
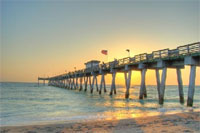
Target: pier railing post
pixel 162 86
pixel 191 85
pixel 180 85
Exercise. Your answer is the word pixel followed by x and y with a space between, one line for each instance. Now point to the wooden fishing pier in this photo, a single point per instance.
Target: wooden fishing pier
pixel 157 60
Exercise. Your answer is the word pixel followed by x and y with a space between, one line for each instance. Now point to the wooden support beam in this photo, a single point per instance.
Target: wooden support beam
pixel 162 86
pixel 90 82
pixel 142 86
pixel 76 83
pixel 85 82
pixel 67 83
pixel 127 82
pixel 64 86
pixel 158 82
pixel 102 84
pixel 70 83
pixel 145 90
pixel 73 85
pixel 75 80
pixel 93 81
pixel 64 83
pixel 96 83
pixel 113 87
pixel 191 89
pixel 81 87
pixel 180 85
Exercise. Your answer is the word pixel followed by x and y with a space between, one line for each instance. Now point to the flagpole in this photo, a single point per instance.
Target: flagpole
pixel 128 52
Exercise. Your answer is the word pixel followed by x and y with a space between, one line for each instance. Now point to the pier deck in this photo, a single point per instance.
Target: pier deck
pixel 157 60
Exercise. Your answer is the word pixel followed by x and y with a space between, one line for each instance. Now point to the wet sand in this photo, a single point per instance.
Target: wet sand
pixel 175 123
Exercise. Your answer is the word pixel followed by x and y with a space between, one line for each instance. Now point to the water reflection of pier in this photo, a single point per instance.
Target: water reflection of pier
pixel 157 60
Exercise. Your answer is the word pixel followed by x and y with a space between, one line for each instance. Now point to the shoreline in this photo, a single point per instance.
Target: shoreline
pixel 179 122
pixel 92 118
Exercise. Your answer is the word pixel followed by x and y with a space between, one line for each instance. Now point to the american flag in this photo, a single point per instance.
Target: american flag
pixel 104 52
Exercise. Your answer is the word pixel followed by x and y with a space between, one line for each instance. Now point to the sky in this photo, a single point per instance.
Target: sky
pixel 47 38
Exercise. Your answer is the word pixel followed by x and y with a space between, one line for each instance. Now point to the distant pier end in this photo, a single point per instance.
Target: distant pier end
pixel 43 79
pixel 157 60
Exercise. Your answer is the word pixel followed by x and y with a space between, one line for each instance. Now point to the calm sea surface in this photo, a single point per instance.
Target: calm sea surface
pixel 26 103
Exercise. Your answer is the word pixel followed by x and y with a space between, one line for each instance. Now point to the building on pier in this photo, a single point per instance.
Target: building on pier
pixel 92 64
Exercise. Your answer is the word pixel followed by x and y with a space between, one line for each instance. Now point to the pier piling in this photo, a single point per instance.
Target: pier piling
pixel 191 85
pixel 162 86
pixel 81 80
pixel 127 82
pixel 113 86
pixel 86 81
pixel 142 86
pixel 180 85
pixel 158 82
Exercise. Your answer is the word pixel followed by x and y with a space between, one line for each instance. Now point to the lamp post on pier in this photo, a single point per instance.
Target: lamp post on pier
pixel 128 50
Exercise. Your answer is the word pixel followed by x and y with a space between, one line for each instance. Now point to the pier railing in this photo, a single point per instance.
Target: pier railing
pixel 155 55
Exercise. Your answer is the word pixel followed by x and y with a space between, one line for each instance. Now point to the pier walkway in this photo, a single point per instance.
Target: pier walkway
pixel 157 60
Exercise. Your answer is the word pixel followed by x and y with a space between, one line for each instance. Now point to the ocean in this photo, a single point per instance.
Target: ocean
pixel 28 103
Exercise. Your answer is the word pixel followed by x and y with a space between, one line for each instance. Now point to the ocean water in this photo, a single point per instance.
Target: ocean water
pixel 26 104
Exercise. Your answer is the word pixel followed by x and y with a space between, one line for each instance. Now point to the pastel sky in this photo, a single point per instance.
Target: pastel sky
pixel 46 38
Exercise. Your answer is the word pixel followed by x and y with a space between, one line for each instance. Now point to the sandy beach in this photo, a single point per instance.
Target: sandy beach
pixel 174 123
